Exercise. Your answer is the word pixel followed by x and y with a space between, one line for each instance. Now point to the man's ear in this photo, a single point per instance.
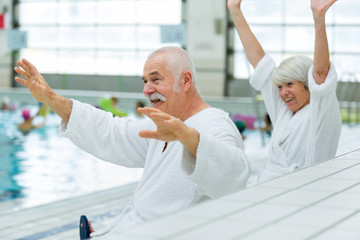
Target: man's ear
pixel 186 80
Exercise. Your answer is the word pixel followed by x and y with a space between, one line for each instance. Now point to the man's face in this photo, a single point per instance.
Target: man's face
pixel 159 86
pixel 295 95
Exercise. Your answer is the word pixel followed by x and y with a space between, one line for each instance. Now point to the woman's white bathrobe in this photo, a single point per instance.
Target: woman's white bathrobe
pixel 170 181
pixel 302 139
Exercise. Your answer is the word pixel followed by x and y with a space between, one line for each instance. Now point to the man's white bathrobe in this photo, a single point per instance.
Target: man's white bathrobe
pixel 298 140
pixel 171 181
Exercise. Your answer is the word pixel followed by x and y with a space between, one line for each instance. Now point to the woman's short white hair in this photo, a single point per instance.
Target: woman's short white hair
pixel 292 69
pixel 178 61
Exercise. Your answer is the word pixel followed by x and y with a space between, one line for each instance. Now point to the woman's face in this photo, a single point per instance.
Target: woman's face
pixel 294 94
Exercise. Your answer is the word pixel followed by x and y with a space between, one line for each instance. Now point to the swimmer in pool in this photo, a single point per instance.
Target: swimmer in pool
pixel 27 125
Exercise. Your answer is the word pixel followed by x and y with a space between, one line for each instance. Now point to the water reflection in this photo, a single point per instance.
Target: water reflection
pixel 9 169
pixel 42 167
pixel 10 144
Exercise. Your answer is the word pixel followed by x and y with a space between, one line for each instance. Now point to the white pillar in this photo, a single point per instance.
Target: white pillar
pixel 206 43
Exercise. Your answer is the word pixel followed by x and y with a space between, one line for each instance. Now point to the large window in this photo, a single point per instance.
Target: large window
pixel 285 28
pixel 104 37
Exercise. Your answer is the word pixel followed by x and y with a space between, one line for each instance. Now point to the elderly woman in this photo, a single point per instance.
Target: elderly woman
pixel 300 97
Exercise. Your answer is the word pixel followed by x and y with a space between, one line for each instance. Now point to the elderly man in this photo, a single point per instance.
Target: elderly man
pixel 190 151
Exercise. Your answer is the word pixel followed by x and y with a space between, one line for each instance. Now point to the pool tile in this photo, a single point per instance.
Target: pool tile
pixel 254 194
pixel 315 173
pixel 352 155
pixel 336 234
pixel 279 232
pixel 300 197
pixel 351 173
pixel 330 185
pixel 288 182
pixel 224 229
pixel 337 163
pixel 166 226
pixel 316 217
pixel 345 200
pixel 213 209
pixel 350 224
pixel 263 213
pixel 7 232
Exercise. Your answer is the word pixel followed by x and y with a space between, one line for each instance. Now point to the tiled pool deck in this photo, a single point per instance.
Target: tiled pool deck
pixel 319 202
pixel 60 220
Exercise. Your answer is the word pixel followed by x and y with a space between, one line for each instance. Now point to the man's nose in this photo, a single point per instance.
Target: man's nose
pixel 148 89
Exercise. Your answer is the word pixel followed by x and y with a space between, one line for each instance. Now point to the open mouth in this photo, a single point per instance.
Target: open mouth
pixel 156 98
pixel 155 101
pixel 289 99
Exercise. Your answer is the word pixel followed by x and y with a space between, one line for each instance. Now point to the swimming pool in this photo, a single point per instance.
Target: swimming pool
pixel 41 166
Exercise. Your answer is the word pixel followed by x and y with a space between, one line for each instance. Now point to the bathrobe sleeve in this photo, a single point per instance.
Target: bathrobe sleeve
pixel 106 137
pixel 261 80
pixel 325 123
pixel 221 164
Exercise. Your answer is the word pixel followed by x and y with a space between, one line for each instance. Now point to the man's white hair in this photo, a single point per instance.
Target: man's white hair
pixel 292 69
pixel 178 61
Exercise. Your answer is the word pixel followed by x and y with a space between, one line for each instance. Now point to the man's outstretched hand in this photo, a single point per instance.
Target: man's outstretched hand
pixel 170 129
pixel 33 80
pixel 41 91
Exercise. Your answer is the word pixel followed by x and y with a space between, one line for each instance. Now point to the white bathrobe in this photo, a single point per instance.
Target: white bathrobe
pixel 298 140
pixel 171 181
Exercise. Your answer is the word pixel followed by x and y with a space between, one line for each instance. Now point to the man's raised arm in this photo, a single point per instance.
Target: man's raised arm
pixel 41 91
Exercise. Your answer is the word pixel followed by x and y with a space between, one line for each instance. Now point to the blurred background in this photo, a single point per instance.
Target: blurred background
pixel 79 44
pixel 92 50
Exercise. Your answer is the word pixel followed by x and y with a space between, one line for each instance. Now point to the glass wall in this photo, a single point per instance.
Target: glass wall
pixel 113 37
pixel 285 28
pixel 104 37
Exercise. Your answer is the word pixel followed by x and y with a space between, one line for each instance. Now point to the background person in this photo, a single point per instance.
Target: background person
pixel 300 97
pixel 27 125
pixel 111 105
pixel 190 151
pixel 5 103
pixel 136 114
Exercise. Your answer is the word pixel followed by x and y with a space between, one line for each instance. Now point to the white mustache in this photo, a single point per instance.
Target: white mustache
pixel 155 96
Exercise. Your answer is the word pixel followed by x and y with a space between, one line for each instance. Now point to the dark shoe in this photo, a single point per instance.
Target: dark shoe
pixel 84 228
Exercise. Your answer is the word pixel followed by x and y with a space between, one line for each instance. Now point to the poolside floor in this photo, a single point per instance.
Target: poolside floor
pixel 321 202
pixel 60 220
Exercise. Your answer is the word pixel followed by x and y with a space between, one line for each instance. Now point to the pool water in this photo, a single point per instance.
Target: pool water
pixel 41 166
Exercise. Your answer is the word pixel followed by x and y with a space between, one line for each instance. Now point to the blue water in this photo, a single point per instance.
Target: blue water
pixel 10 145
pixel 41 166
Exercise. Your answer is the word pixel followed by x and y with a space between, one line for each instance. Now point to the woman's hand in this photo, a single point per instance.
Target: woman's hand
pixel 319 7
